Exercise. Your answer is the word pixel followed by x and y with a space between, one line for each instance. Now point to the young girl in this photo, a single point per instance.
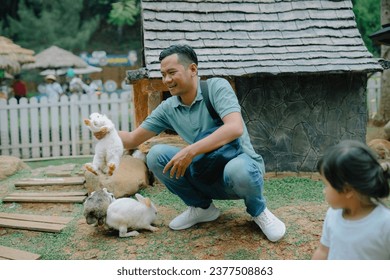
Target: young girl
pixel 357 225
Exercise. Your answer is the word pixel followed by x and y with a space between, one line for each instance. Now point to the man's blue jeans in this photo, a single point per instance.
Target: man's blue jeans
pixel 242 179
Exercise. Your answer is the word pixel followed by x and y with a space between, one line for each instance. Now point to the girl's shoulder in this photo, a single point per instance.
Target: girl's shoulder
pixel 383 219
pixel 383 210
pixel 334 216
pixel 334 212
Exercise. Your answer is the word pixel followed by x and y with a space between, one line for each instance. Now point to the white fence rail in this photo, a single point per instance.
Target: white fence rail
pixel 40 129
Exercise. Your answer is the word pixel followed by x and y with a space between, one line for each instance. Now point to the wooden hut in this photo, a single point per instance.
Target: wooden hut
pixel 299 68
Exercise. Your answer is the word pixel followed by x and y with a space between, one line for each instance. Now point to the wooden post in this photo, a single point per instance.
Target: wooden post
pixel 148 93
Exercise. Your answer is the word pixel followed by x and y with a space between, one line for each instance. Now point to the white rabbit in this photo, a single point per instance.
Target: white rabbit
pixel 138 154
pixel 95 206
pixel 126 213
pixel 109 149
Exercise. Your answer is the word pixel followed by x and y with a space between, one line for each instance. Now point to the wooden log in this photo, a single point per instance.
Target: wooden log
pixel 28 225
pixel 36 218
pixel 49 181
pixel 53 199
pixel 48 194
pixel 7 253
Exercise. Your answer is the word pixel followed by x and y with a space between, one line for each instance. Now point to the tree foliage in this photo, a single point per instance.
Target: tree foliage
pixel 124 12
pixel 41 24
pixel 368 19
pixel 69 24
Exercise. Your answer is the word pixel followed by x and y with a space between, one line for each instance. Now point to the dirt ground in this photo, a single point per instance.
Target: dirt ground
pixel 232 236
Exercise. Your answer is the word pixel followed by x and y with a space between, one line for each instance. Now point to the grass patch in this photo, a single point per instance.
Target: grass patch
pixel 60 161
pixel 241 254
pixel 163 197
pixel 292 191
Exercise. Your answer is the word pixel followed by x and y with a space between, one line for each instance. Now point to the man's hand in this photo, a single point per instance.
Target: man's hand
pixel 101 133
pixel 179 163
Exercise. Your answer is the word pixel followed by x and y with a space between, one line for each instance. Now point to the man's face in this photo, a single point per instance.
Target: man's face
pixel 177 77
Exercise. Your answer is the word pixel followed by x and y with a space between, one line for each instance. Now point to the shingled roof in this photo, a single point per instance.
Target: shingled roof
pixel 245 37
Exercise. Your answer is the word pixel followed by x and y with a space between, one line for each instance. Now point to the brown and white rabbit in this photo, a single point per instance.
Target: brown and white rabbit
pixel 128 213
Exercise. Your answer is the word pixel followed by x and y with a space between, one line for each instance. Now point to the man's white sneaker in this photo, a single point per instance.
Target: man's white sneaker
pixel 194 215
pixel 271 226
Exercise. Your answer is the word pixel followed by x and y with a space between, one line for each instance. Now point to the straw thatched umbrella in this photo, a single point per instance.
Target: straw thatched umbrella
pixel 9 65
pixel 13 55
pixel 56 58
pixel 87 70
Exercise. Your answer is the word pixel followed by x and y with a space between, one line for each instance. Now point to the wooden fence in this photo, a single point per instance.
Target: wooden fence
pixel 42 128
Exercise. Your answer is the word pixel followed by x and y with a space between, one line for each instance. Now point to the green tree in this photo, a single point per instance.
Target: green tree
pixel 41 24
pixel 123 13
pixel 368 15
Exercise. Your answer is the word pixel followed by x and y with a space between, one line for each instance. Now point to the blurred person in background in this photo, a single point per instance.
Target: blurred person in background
pixel 52 88
pixel 19 88
pixel 75 83
pixel 90 87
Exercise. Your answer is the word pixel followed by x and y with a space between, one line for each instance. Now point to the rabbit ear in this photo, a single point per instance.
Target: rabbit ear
pixel 143 200
pixel 147 202
pixel 139 197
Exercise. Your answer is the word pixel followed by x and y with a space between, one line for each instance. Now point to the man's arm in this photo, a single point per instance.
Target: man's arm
pixel 231 129
pixel 131 140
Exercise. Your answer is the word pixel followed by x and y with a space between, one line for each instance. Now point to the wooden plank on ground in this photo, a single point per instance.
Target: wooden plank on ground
pixel 48 194
pixel 53 199
pixel 37 226
pixel 36 218
pixel 50 181
pixel 7 253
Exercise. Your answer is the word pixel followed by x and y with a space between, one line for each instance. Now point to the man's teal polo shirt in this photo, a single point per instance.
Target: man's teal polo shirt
pixel 189 121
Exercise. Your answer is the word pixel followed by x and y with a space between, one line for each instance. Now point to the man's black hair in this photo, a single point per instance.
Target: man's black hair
pixel 185 53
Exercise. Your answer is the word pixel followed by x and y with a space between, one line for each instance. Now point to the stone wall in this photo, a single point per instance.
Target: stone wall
pixel 292 119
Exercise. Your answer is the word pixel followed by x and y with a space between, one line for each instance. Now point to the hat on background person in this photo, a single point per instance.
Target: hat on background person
pixel 50 77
